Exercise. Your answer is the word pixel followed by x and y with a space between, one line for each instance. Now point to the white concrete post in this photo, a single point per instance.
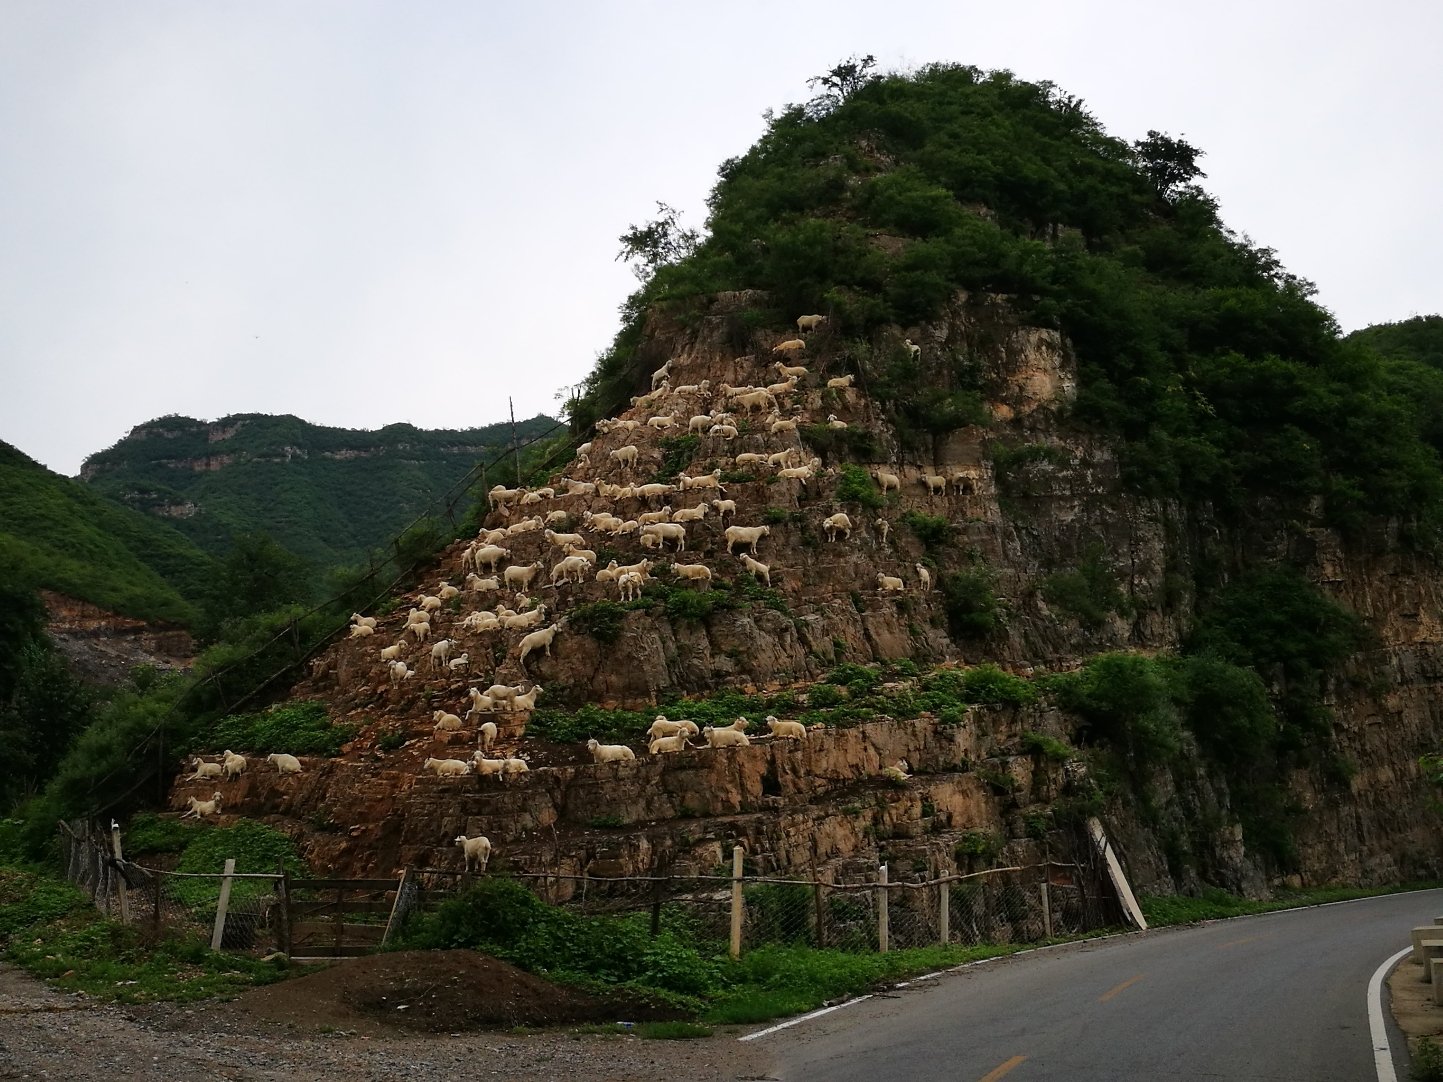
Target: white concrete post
pixel 944 911
pixel 882 919
pixel 736 946
pixel 222 905
pixel 119 857
pixel 1046 910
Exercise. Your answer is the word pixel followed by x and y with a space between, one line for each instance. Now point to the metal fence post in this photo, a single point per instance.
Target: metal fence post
pixel 222 905
pixel 944 911
pixel 883 928
pixel 736 943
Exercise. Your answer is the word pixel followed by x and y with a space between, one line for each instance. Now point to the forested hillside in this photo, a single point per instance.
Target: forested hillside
pixel 328 495
pixel 56 533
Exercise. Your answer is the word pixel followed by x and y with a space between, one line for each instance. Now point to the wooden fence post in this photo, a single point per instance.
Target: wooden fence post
pixel 883 923
pixel 1046 908
pixel 944 911
pixel 222 905
pixel 120 859
pixel 736 945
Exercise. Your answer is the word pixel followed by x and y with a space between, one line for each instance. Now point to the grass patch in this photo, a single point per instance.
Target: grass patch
pixel 1216 904
pixel 300 728
pixel 671 1031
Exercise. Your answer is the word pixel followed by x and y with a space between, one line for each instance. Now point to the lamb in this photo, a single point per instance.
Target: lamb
pixel 935 483
pixel 835 423
pixel 630 586
pixel 369 621
pixel 235 765
pixel 446 723
pixel 690 514
pixel 459 663
pixel 200 809
pixel 625 456
pixel 706 480
pixel 537 640
pixel 447 768
pixel 883 527
pixel 841 383
pixel 491 555
pixel 757 568
pixel 662 422
pixel 924 577
pixel 898 771
pixel 284 764
pixel 692 572
pixel 791 345
pixel 526 702
pixel 476 851
pixel 205 770
pixel 661 375
pixel 809 323
pixel 726 432
pixel 398 671
pixel 488 768
pixel 890 582
pixel 664 744
pixel 912 348
pixel 571 569
pixel 486 734
pixel 477 585
pixel 698 423
pixel 887 480
pixel 786 730
pixel 666 531
pixel 421 629
pixel 362 631
pixel 724 508
pixel 416 616
pixel 662 726
pixel 839 523
pixel 745 535
pixel 520 576
pixel 491 537
pixel 440 652
pixel 609 753
pixel 725 737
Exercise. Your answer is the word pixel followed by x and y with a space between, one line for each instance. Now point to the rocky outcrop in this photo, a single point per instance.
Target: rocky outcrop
pixel 103 647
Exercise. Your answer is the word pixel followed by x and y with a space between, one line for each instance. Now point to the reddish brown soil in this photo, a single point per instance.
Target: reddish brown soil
pixel 434 992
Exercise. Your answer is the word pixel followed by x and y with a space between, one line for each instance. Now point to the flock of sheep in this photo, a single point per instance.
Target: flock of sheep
pixel 612 511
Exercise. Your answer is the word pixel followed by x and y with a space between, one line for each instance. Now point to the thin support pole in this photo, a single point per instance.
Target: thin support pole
pixel 736 943
pixel 221 906
pixel 883 922
pixel 120 884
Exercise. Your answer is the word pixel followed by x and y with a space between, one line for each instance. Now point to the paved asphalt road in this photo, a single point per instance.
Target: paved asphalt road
pixel 1279 997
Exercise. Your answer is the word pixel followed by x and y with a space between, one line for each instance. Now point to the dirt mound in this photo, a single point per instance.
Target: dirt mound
pixel 434 992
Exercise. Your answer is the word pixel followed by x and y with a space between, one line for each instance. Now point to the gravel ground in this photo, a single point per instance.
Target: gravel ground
pixel 47 1034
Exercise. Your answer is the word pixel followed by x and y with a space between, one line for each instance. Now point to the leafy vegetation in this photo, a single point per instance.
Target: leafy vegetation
pixel 295 728
pixel 1090 593
pixel 973 608
pixel 854 486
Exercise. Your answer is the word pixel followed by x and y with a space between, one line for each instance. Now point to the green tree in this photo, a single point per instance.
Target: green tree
pixel 657 243
pixel 1171 164
pixel 257 576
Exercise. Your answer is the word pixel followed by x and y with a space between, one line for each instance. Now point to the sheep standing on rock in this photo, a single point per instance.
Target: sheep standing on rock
pixel 629 583
pixel 488 768
pixel 480 704
pixel 537 640
pixel 399 671
pixel 758 569
pixel 476 851
pixel 745 535
pixel 235 765
pixel 809 323
pixel 284 764
pixel 836 524
pixel 887 479
pixel 519 576
pixel 608 753
pixel 883 527
pixel 912 348
pixel 724 508
pixel 486 735
pixel 200 809
pixel 441 652
pixel 786 730
pixel 924 577
pixel 936 484
pixel 663 726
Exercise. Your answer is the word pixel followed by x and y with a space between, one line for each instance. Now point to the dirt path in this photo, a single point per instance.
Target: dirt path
pixel 50 1035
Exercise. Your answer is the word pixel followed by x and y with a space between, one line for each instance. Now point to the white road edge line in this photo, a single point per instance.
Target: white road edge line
pixel 802 1018
pixel 1382 1054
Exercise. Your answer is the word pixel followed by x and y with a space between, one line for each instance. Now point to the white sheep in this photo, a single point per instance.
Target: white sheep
pixel 757 568
pixel 522 621
pixel 625 456
pixel 791 345
pixel 369 621
pixel 809 323
pixel 690 514
pixel 440 652
pixel 475 850
pixel 887 480
pixel 692 572
pixel 569 569
pixel 890 582
pixel 480 704
pixel 661 375
pixel 200 809
pixel 205 770
pixel 836 524
pixel 500 496
pixel 477 585
pixel 284 764
pixel 519 576
pixel 486 734
pixel 653 491
pixel 663 744
pixel 526 525
pixel 561 540
pixel 779 459
pixel 745 535
pixel 780 425
pixel 362 631
pixel 898 771
pixel 794 371
pixel 662 422
pixel 526 702
pixel 609 753
pixel 841 383
pixel 924 577
pixel 698 423
pixel 883 527
pixel 629 583
pixel 538 496
pixel 421 629
pixel 935 484
pixel 786 730
pixel 912 348
pixel 663 726
pixel 443 768
pixel 724 508
pixel 787 386
pixel 835 423
pixel 481 621
pixel 446 591
pixel 513 765
pixel 646 518
pixel 704 387
pixel 726 737
pixel 491 555
pixel 666 532
pixel 430 603
pixel 537 640
pixel 398 671
pixel 726 432
pixel 391 653
pixel 706 480
pixel 446 723
pixel 748 459
pixel 488 768
pixel 761 399
pixel 797 473
pixel 235 765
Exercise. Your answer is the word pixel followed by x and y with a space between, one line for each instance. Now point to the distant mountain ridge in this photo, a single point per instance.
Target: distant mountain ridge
pixel 327 494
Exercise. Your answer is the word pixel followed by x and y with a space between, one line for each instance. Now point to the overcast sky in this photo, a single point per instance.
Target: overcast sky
pixel 373 212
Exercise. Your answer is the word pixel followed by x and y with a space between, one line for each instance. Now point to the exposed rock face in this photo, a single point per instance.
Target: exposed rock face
pixel 103 647
pixel 824 804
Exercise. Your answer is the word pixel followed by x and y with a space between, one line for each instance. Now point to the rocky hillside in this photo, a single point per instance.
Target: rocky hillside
pixel 329 495
pixel 1131 531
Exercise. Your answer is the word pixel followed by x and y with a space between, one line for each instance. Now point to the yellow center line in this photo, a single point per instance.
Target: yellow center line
pixel 1120 988
pixel 1240 942
pixel 1005 1068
